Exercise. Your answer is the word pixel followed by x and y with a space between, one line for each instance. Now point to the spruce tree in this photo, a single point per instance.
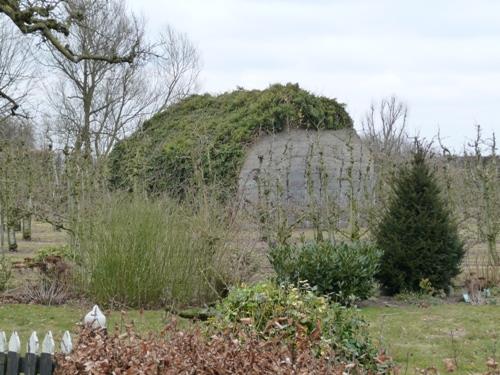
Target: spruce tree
pixel 417 234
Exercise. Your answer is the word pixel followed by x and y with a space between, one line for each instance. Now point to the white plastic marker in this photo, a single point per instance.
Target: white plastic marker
pixel 95 318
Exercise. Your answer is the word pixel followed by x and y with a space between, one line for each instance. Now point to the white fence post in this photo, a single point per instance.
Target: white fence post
pixel 13 359
pixel 34 362
pixel 66 344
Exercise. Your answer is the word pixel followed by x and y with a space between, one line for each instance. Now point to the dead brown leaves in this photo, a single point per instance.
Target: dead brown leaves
pixel 493 368
pixel 191 352
pixel 450 364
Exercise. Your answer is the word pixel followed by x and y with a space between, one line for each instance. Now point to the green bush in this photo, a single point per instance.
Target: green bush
pixel 141 253
pixel 287 312
pixel 427 295
pixel 211 134
pixel 417 233
pixel 5 272
pixel 63 251
pixel 418 298
pixel 343 271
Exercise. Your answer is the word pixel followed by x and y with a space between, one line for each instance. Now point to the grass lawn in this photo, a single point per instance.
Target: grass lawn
pixel 423 337
pixel 415 337
pixel 26 318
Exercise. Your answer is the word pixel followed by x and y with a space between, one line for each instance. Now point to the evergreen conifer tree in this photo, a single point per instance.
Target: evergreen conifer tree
pixel 417 234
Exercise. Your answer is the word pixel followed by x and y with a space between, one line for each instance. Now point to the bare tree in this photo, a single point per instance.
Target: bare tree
pixel 15 69
pixel 16 177
pixel 177 67
pixel 384 126
pixel 482 177
pixel 52 20
pixel 97 102
pixel 385 134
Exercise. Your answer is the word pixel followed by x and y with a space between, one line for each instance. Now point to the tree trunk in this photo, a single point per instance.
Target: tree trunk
pixel 492 250
pixel 27 228
pixel 2 228
pixel 17 226
pixel 11 238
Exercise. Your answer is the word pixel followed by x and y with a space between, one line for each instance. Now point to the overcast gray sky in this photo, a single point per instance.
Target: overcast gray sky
pixel 441 57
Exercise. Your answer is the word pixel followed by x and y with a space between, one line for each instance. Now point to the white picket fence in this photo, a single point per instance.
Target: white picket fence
pixel 40 360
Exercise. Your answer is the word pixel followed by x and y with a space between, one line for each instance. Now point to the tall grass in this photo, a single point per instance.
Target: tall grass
pixel 140 252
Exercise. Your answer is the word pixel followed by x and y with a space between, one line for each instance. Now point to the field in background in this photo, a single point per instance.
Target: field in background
pixel 42 234
pixel 475 260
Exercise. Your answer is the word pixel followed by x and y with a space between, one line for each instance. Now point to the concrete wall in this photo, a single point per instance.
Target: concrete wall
pixel 291 163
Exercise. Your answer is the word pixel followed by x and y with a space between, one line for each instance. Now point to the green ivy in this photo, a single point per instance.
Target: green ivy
pixel 207 136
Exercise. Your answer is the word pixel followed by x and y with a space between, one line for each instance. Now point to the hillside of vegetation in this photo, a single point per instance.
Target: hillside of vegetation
pixel 206 136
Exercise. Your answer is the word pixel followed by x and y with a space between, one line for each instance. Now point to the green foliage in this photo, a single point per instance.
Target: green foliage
pixel 63 251
pixel 211 133
pixel 343 271
pixel 418 298
pixel 288 312
pixel 427 295
pixel 416 233
pixel 5 272
pixel 141 253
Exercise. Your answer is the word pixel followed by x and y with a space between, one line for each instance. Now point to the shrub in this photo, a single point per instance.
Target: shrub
pixel 418 298
pixel 288 312
pixel 416 233
pixel 427 295
pixel 63 251
pixel 53 281
pixel 140 252
pixel 342 271
pixel 45 291
pixel 5 272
